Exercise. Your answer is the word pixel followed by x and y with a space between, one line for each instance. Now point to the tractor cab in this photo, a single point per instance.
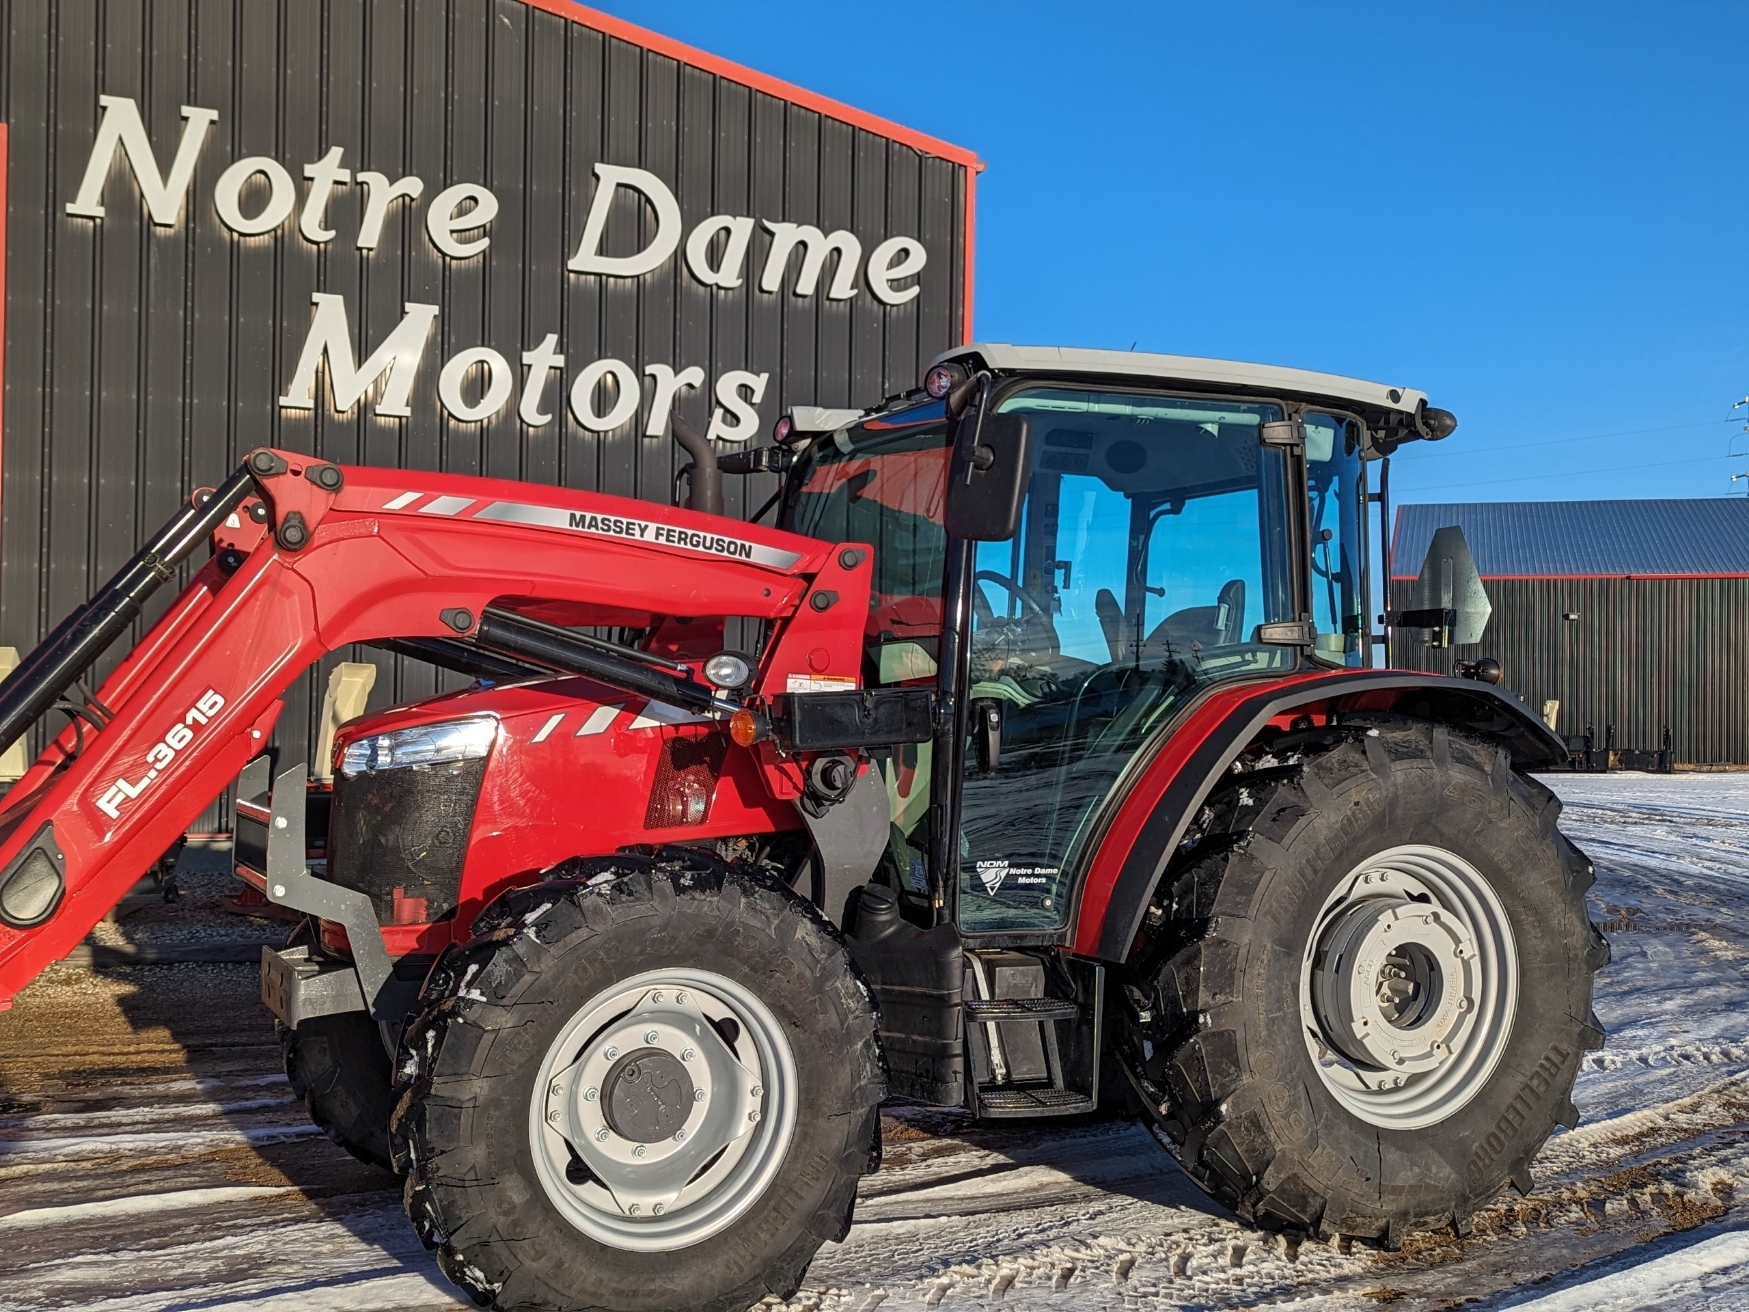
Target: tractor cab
pixel 1178 525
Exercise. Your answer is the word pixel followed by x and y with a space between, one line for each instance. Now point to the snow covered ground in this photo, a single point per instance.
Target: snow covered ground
pixel 151 1156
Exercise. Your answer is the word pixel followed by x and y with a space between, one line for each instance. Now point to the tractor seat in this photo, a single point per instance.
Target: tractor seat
pixel 1196 628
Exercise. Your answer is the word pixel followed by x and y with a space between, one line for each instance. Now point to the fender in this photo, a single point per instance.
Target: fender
pixel 1149 823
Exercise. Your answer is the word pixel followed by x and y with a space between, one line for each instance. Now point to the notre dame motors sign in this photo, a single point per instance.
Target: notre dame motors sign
pixel 506 237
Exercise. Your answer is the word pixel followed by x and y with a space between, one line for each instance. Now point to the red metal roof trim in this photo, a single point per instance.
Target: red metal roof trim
pixel 1531 578
pixel 788 91
pixel 679 50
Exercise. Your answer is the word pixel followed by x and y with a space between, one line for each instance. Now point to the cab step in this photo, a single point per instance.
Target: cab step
pixel 996 1103
pixel 1030 1054
pixel 998 1010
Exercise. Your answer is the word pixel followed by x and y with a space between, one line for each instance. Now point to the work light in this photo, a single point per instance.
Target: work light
pixel 728 669
pixel 942 379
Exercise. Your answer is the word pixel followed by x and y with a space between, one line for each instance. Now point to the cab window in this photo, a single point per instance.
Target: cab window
pixel 1155 540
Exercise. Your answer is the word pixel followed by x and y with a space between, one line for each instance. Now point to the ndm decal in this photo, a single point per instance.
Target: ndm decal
pixel 993 874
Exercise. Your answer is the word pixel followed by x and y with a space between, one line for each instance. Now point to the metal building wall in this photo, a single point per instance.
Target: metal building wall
pixel 142 361
pixel 1643 654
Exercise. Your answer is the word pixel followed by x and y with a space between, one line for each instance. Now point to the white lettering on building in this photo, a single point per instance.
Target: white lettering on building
pixel 257 195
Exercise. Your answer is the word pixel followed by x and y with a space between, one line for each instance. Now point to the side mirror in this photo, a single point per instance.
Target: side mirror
pixel 1448 596
pixel 986 485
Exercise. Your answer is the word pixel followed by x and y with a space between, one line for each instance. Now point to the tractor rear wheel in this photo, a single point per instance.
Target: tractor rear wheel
pixel 653 1084
pixel 1364 989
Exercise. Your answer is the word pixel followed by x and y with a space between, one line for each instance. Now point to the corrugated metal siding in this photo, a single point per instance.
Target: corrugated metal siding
pixel 143 360
pixel 1697 536
pixel 1642 655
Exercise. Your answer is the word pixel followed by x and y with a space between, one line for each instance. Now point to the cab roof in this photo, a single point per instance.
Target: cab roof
pixel 1270 378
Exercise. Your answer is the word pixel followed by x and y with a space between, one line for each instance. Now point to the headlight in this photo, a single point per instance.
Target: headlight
pixel 429 744
pixel 728 669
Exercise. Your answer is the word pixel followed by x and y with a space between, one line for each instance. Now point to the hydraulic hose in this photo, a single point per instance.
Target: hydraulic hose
pixel 76 643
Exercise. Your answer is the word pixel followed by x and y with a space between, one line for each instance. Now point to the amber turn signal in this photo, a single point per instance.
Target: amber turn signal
pixel 746 728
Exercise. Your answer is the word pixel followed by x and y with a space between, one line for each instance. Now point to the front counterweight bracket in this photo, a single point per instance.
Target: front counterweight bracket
pixel 290 883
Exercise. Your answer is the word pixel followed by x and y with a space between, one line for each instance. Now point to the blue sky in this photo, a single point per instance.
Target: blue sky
pixel 1535 213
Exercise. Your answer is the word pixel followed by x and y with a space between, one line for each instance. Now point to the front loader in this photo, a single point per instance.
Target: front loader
pixel 1055 775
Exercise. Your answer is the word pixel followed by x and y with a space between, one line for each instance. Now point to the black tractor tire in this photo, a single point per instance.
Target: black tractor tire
pixel 492 1012
pixel 1213 1037
pixel 340 1071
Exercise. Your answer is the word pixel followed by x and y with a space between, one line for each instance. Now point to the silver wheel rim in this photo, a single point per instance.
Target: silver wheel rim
pixel 663 1110
pixel 1409 987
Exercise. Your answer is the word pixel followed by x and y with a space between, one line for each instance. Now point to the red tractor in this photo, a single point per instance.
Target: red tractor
pixel 1053 774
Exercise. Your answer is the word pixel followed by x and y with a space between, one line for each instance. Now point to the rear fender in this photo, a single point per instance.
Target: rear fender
pixel 1138 841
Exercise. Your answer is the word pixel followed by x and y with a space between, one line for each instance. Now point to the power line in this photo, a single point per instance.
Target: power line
pixel 1422 453
pixel 1572 473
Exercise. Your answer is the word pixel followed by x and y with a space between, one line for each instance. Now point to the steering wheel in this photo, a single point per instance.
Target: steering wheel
pixel 1033 616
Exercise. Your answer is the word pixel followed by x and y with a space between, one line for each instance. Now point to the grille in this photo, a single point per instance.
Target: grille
pixel 401 836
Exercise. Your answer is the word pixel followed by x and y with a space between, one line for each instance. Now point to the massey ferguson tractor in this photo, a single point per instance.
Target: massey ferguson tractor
pixel 1054 772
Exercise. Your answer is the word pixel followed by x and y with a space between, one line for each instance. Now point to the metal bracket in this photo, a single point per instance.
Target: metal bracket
pixel 1282 432
pixel 850 836
pixel 290 884
pixel 1288 633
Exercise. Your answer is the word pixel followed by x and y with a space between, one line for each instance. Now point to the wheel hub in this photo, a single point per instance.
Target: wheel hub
pixel 664 1107
pixel 648 1096
pixel 1409 986
pixel 1393 981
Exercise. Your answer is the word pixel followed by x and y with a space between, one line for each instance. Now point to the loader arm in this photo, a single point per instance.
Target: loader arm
pixel 309 557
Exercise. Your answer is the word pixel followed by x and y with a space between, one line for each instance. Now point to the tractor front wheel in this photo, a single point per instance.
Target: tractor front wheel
pixel 653 1084
pixel 338 1068
pixel 1364 990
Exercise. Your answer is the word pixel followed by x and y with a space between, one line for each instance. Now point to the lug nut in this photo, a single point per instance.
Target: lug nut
pixel 680 1136
pixel 639 1151
pixel 553 1116
pixel 687 1055
pixel 656 996
pixel 591 1093
pixel 650 1036
pixel 634 1209
pixel 683 998
pixel 753 1115
pixel 556 1089
pixel 601 1135
pixel 698 1095
pixel 758 1091
pixel 1463 1004
pixel 611 1052
pixel 659 1208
